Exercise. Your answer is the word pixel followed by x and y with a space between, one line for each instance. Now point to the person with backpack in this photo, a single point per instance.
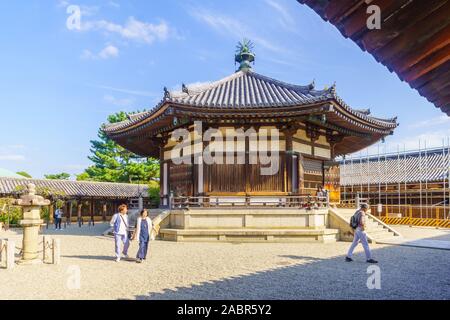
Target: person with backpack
pixel 119 222
pixel 358 224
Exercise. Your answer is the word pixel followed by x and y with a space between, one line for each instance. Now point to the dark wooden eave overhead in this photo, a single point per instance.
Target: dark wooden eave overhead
pixel 414 39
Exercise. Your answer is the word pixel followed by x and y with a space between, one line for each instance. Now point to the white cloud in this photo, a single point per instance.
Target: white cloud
pixel 85 11
pixel 12 152
pixel 75 167
pixel 114 4
pixel 125 102
pixel 230 26
pixel 12 157
pixel 63 3
pixel 133 29
pixel 108 52
pixel 443 119
pixel 286 20
pixel 122 90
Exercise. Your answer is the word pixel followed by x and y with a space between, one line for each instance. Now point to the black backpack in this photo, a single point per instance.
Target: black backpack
pixel 354 220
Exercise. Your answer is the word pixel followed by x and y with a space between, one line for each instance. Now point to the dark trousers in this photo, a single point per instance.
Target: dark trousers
pixel 142 252
pixel 58 223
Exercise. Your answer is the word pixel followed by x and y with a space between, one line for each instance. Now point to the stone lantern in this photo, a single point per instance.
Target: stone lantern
pixel 31 205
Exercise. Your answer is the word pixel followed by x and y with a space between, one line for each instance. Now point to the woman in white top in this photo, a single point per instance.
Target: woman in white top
pixel 144 228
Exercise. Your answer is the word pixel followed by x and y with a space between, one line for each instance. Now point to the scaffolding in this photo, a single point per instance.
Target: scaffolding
pixel 407 183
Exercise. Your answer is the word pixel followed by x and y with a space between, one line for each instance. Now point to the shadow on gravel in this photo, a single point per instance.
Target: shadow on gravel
pixel 75 230
pixel 105 258
pixel 406 273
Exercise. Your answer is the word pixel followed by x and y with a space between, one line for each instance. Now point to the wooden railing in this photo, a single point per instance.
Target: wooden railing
pixel 307 202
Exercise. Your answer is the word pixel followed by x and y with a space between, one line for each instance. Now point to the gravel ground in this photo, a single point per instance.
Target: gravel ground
pixel 226 271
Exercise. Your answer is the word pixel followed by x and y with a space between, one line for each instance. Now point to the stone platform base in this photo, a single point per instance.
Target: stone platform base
pixel 29 262
pixel 251 235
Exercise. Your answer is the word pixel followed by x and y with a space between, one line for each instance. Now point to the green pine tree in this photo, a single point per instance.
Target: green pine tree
pixel 112 163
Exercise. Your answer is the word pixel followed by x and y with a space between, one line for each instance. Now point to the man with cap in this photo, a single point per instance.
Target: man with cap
pixel 360 235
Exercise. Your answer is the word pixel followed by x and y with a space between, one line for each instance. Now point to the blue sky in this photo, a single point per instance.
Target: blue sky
pixel 57 85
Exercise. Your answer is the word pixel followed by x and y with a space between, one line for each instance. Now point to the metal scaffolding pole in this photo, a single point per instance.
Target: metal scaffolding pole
pixel 379 176
pixel 448 174
pixel 426 177
pixel 420 177
pixel 398 175
pixel 343 172
pixel 368 175
pixel 385 175
pixel 360 174
pixel 404 172
pixel 353 174
pixel 442 172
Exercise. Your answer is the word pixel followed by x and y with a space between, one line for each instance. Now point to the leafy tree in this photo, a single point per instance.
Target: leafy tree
pixel 113 163
pixel 24 174
pixel 58 176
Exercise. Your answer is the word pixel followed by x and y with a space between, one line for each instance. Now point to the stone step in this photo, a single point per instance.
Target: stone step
pixel 379 233
pixel 251 235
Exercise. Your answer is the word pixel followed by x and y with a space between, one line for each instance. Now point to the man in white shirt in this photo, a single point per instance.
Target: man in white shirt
pixel 119 222
pixel 360 236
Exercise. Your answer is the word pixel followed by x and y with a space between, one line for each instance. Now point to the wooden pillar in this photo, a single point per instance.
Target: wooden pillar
pixel 104 212
pixel 288 168
pixel 80 207
pixel 301 175
pixel 92 208
pixel 69 215
pixel 248 170
pixel 66 210
pixel 51 210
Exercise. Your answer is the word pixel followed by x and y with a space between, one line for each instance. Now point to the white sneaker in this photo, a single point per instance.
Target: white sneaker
pixel 117 259
pixel 125 256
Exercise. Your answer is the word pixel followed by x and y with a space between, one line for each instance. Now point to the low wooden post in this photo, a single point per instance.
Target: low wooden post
pixel 56 251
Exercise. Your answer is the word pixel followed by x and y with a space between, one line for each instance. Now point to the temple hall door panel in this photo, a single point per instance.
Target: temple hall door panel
pixel 259 182
pixel 181 179
pixel 225 177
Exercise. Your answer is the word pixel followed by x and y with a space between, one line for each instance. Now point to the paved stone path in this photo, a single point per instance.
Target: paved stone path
pixel 226 271
pixel 421 237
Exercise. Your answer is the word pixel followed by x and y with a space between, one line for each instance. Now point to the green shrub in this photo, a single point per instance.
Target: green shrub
pixel 11 213
pixel 153 193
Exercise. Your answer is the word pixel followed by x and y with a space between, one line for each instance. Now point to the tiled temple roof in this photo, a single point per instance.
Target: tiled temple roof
pixel 409 167
pixel 74 189
pixel 248 90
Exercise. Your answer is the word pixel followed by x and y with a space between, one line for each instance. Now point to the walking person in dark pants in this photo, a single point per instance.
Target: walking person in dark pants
pixel 144 228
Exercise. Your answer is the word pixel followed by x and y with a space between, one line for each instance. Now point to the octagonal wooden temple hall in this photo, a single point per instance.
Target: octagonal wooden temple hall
pixel 248 122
